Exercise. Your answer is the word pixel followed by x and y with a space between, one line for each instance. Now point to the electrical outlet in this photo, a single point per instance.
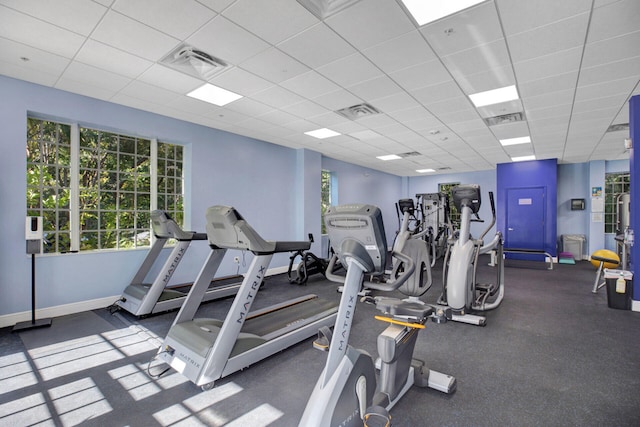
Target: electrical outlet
pixel 236 259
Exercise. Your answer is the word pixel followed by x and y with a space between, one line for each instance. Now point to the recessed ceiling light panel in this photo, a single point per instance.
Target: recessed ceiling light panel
pixel 322 133
pixel 523 158
pixel 425 170
pixel 515 141
pixel 389 157
pixel 214 95
pixel 494 96
pixel 425 11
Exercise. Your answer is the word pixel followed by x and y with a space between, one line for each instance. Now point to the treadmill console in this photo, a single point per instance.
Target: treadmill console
pixel 356 231
pixel 466 195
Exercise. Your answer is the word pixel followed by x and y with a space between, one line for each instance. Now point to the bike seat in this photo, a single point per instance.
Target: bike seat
pixel 398 307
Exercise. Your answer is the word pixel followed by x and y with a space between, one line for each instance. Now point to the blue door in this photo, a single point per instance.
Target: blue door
pixel 525 225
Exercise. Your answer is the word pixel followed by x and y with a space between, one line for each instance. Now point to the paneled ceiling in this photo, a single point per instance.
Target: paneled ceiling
pixel 575 64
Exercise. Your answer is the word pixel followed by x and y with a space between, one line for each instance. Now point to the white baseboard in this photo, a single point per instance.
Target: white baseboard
pixel 77 307
pixel 59 310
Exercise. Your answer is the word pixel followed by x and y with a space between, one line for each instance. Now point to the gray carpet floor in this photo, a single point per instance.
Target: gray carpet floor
pixel 553 354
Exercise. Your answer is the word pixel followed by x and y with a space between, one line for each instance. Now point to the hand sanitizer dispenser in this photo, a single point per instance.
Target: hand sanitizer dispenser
pixel 33 234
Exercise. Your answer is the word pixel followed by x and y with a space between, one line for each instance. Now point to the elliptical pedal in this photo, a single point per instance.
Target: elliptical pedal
pixel 324 339
pixel 376 416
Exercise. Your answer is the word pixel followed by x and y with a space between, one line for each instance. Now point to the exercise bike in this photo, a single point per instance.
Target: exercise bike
pixel 308 265
pixel 461 293
pixel 348 393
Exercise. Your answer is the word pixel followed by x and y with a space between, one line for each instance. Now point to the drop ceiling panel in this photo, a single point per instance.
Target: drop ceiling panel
pixel 543 101
pixel 94 76
pixel 485 80
pixel 425 74
pixel 250 107
pixel 92 90
pixel 350 70
pixel 310 85
pixel 613 20
pixel 35 60
pixel 111 59
pixel 227 41
pixel 241 81
pixel 611 50
pixel 150 93
pixel 368 23
pixel 178 19
pixel 548 84
pixel 304 109
pixel 277 97
pixel 556 63
pixel 337 100
pixel 33 75
pixel 217 5
pixel 439 92
pixel 563 112
pixel 316 46
pixel 611 71
pixel 24 29
pixel 518 17
pixel 274 65
pixel 294 71
pixel 409 114
pixel 161 76
pixel 273 20
pixel 124 33
pixel 76 15
pixel 378 87
pixel 511 130
pixel 408 50
pixel 481 58
pixel 472 27
pixel 622 88
pixel 555 37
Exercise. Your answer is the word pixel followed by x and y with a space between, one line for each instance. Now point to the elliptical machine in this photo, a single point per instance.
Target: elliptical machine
pixel 348 392
pixel 460 291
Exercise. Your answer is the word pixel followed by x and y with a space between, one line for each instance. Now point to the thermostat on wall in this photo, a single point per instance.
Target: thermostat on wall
pixel 577 204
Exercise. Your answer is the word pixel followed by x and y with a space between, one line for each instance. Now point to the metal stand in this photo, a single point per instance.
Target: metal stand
pixel 41 323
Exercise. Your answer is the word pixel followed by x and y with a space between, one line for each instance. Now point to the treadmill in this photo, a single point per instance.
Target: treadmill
pixel 205 350
pixel 140 298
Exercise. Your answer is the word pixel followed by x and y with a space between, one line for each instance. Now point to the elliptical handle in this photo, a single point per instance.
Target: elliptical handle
pixel 393 284
pixel 390 285
pixel 493 215
pixel 329 271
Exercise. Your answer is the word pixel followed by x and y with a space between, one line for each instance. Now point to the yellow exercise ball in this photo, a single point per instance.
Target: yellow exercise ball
pixel 605 253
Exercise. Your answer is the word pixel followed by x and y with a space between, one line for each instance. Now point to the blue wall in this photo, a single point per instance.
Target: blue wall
pixel 276 188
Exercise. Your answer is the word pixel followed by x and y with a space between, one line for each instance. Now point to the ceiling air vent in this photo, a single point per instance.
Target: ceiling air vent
pixel 409 154
pixel 194 62
pixel 504 119
pixel 445 168
pixel 356 112
pixel 618 127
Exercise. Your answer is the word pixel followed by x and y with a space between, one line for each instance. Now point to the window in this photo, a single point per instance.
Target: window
pixel 614 185
pixel 48 180
pixel 107 203
pixel 454 215
pixel 325 195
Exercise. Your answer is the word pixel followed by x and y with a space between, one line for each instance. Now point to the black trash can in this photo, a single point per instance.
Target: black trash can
pixel 619 295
